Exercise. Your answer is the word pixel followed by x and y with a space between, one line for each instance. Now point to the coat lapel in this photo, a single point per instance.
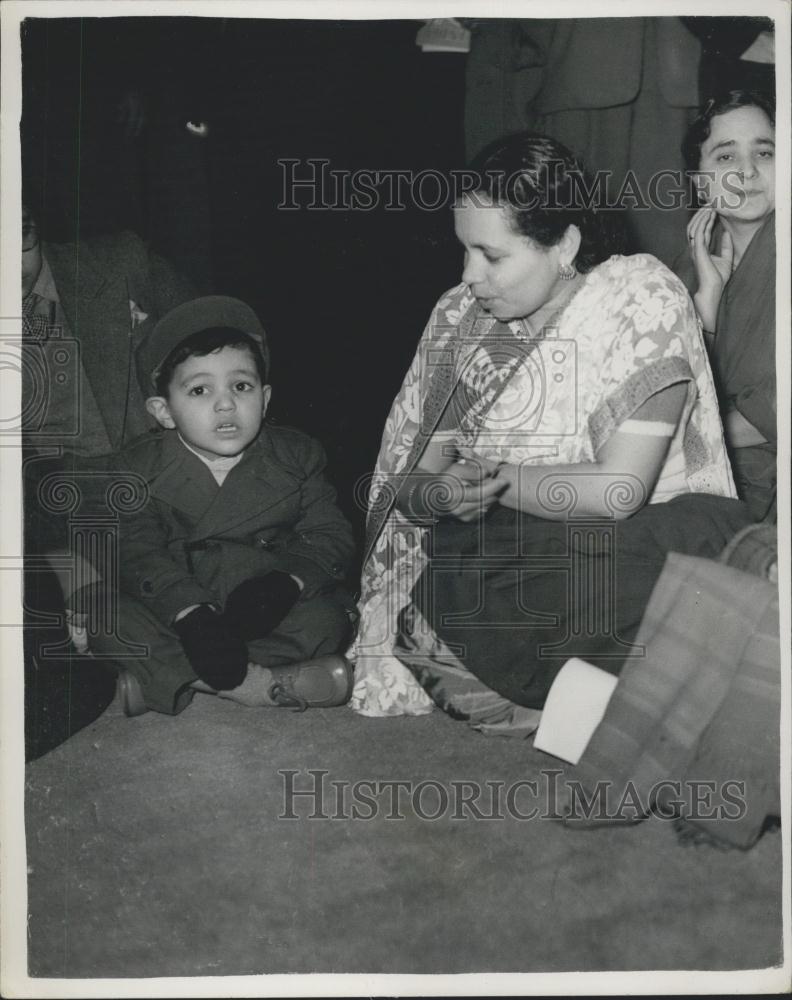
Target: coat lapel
pixel 252 492
pixel 183 482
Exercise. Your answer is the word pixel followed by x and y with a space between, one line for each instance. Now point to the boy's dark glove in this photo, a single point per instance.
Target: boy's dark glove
pixel 257 606
pixel 216 652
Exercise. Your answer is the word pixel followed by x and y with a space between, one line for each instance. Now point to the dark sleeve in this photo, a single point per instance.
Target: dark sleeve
pixel 169 287
pixel 757 403
pixel 153 282
pixel 321 547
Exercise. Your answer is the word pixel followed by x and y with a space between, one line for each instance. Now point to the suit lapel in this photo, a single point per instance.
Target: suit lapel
pixel 74 270
pixel 97 308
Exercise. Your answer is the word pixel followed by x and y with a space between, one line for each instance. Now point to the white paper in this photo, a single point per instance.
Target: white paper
pixel 574 708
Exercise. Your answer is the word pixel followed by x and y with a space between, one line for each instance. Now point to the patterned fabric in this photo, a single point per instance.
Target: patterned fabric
pixel 37 317
pixel 441 385
pixel 454 688
pixel 754 550
pixel 704 703
pixel 629 331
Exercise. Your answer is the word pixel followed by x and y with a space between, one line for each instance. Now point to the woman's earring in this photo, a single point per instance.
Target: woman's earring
pixel 566 272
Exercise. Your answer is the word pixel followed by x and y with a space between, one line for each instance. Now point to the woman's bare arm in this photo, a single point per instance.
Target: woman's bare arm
pixel 618 483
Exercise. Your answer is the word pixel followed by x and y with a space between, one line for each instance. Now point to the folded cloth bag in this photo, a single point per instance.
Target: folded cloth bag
pixel 702 708
pixel 754 549
pixel 743 738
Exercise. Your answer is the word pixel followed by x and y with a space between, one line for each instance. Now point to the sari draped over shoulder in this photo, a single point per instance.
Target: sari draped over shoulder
pixel 547 399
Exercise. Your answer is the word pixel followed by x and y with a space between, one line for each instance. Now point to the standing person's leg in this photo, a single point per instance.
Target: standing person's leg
pixel 64 691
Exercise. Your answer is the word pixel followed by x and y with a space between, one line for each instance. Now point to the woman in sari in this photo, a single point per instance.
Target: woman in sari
pixel 556 435
pixel 730 271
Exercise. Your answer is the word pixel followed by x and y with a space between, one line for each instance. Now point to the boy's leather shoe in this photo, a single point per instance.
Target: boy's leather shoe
pixel 324 682
pixel 130 695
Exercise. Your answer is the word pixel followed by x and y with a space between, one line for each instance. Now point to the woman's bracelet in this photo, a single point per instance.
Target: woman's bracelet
pixel 408 508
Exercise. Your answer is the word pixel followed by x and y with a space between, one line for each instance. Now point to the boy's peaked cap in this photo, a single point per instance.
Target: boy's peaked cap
pixel 189 318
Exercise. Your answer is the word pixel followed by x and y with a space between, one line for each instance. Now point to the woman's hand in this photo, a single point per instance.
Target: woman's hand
pixel 712 270
pixel 464 489
pixel 485 466
pixel 473 488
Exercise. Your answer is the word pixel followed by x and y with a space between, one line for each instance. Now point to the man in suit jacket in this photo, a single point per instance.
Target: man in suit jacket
pixel 85 306
pixel 619 92
pixel 232 558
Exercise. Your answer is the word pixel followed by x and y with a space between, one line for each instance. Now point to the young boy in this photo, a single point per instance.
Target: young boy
pixel 231 571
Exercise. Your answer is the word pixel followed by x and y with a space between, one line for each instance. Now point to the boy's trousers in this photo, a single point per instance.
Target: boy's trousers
pixel 315 626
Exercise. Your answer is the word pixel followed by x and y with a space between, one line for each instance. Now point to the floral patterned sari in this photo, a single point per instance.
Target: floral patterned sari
pixel 555 398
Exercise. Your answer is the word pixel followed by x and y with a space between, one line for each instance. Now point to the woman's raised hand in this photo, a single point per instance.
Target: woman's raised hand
pixel 712 270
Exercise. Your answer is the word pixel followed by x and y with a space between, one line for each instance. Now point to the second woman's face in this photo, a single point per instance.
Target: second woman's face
pixel 738 165
pixel 509 275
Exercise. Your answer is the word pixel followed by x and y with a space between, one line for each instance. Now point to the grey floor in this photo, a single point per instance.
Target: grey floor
pixel 155 848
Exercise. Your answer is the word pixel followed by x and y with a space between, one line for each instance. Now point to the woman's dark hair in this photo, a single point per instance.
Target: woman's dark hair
pixel 547 190
pixel 700 129
pixel 205 342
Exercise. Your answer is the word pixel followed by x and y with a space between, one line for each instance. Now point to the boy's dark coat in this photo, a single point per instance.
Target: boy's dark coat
pixel 192 542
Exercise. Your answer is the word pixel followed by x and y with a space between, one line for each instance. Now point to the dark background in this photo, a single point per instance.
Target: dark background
pixel 343 294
